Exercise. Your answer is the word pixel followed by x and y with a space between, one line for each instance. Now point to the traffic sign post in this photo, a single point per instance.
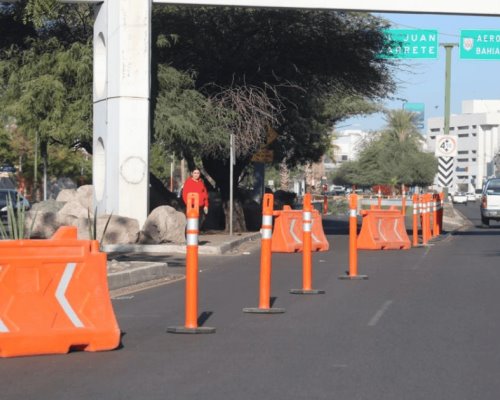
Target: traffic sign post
pixel 480 44
pixel 410 43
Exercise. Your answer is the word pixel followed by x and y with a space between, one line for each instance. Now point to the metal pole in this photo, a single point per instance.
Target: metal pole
pixel 231 164
pixel 447 88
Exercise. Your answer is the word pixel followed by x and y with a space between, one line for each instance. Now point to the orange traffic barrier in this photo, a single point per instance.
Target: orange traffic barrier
pixel 287 233
pixel 191 295
pixel 307 250
pixel 383 230
pixel 54 296
pixel 265 260
pixel 352 274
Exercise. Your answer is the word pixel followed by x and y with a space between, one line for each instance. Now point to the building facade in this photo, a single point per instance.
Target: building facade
pixel 477 133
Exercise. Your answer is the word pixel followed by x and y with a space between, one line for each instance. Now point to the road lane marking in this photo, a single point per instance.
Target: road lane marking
pixel 421 259
pixel 379 313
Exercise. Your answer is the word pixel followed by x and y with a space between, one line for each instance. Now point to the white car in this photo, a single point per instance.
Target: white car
pixel 460 198
pixel 471 196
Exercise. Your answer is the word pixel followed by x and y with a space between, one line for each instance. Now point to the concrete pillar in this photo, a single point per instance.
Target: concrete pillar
pixel 481 163
pixel 122 43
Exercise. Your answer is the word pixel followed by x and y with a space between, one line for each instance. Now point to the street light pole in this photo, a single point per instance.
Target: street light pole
pixel 447 88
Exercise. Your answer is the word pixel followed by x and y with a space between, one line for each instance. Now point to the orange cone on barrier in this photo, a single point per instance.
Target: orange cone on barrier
pixel 54 296
pixel 307 250
pixel 352 274
pixel 191 295
pixel 265 261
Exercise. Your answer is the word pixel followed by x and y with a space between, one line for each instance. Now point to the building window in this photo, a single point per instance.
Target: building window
pixel 473 159
pixel 463 135
pixel 435 130
pixel 474 134
pixel 463 152
pixel 474 151
pixel 433 137
pixel 462 159
pixel 461 128
pixel 474 126
pixel 452 128
pixel 344 157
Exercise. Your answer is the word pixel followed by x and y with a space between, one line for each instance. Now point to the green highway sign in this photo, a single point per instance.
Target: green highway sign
pixel 480 44
pixel 410 43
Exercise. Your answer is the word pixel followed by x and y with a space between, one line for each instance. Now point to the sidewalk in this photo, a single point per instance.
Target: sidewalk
pixel 135 264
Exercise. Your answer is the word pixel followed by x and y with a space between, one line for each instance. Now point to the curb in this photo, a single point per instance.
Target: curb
pixel 205 249
pixel 143 273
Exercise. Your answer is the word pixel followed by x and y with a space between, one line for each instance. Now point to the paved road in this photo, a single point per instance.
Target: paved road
pixel 424 326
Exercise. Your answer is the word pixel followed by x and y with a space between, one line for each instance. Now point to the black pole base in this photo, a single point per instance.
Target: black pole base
pixel 257 310
pixel 353 278
pixel 306 291
pixel 183 329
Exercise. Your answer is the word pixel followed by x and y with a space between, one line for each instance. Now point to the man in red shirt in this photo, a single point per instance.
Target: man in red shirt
pixel 194 184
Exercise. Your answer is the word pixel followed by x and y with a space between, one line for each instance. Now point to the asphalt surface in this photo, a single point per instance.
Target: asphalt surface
pixel 423 326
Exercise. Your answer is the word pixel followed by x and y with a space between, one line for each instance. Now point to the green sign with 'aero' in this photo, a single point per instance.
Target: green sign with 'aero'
pixel 480 44
pixel 410 43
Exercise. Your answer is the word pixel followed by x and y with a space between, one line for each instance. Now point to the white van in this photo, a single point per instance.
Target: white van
pixel 490 201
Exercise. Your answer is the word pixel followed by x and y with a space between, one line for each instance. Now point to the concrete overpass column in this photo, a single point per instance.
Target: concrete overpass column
pixel 122 36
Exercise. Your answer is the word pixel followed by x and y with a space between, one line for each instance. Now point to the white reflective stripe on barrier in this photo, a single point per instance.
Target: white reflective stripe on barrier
pixel 307 226
pixel 266 233
pixel 307 215
pixel 192 239
pixel 292 231
pixel 192 224
pixel 396 222
pixel 61 292
pixel 380 231
pixel 3 327
pixel 267 220
pixel 352 213
pixel 314 238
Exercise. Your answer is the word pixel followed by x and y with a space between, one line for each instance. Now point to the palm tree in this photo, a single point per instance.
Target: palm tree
pixel 402 126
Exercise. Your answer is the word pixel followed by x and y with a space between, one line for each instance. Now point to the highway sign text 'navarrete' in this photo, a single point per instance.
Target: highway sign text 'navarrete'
pixel 408 43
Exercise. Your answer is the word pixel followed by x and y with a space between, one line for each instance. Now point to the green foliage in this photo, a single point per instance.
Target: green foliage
pixel 16 217
pixel 394 158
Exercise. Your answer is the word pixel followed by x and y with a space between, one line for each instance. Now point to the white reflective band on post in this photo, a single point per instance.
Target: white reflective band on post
pixel 192 224
pixel 61 298
pixel 307 215
pixel 266 233
pixel 3 327
pixel 267 220
pixel 352 212
pixel 306 226
pixel 192 239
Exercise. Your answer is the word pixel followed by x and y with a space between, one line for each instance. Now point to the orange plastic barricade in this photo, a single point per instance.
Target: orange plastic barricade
pixel 54 296
pixel 288 234
pixel 383 230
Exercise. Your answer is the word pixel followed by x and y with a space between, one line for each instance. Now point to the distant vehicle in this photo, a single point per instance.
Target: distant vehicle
pixel 7 168
pixel 459 198
pixel 479 194
pixel 471 196
pixel 490 201
pixel 16 199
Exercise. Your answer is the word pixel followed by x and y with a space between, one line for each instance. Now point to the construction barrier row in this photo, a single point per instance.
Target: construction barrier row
pixel 54 296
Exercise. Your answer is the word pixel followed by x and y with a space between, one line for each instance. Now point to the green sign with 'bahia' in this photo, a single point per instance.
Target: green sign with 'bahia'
pixel 480 44
pixel 410 43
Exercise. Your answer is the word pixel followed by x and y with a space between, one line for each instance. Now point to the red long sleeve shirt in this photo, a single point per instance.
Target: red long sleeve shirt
pixel 192 186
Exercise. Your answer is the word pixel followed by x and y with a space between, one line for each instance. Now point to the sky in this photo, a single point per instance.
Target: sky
pixel 423 80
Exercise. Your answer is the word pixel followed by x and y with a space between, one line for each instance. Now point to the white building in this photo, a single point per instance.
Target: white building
pixel 347 145
pixel 477 132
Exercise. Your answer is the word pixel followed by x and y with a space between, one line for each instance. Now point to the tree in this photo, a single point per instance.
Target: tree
pixel 394 158
pixel 310 69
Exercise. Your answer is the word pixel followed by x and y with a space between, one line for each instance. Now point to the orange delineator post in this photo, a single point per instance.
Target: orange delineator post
pixel 307 250
pixel 441 211
pixel 191 295
pixel 379 201
pixel 416 207
pixel 325 204
pixel 352 274
pixel 265 260
pixel 403 201
pixel 54 296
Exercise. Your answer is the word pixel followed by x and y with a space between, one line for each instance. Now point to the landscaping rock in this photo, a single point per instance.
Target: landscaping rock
pixel 164 225
pixel 120 230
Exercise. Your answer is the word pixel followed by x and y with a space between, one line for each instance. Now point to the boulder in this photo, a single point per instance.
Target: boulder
pixel 85 196
pixel 75 209
pixel 47 206
pixel 67 195
pixel 120 230
pixel 164 225
pixel 46 223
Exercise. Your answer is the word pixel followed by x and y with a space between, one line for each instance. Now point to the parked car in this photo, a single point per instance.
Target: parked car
pixel 479 194
pixel 471 196
pixel 7 168
pixel 16 199
pixel 490 201
pixel 459 198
